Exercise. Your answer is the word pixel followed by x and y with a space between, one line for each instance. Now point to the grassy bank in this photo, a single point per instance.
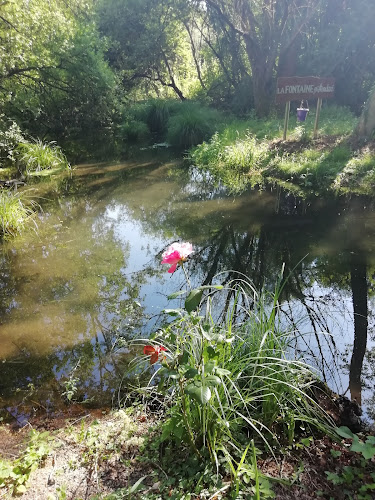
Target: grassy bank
pixel 20 163
pixel 251 153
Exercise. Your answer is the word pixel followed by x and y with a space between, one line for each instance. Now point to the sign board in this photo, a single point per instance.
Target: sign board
pixel 296 88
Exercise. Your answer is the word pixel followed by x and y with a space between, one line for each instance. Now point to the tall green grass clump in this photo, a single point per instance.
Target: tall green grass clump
pixel 37 156
pixel 14 213
pixel 135 131
pixel 191 124
pixel 180 123
pixel 236 164
pixel 233 379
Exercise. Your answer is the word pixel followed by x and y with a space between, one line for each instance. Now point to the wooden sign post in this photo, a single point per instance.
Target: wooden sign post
pixel 286 119
pixel 297 88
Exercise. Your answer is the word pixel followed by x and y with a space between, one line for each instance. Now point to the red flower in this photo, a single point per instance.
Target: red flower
pixel 153 351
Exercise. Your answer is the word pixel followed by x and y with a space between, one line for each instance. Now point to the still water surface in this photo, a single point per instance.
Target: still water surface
pixel 91 273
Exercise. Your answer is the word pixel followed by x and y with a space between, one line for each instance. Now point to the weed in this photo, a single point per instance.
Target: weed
pixel 15 474
pixel 191 125
pixel 236 164
pixel 240 155
pixel 361 477
pixel 135 131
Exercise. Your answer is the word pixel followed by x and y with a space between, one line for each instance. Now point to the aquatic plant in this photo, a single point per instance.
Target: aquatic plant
pixel 14 212
pixel 38 155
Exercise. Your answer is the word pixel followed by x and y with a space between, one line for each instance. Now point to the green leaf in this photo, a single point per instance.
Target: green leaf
pixel 212 380
pixel 345 432
pixel 209 366
pixel 336 453
pixel 211 352
pixel 209 287
pixel 366 449
pixel 193 299
pixel 191 373
pixel 200 393
pixel 173 374
pixel 167 429
pixel 183 358
pixel 172 312
pixel 137 485
pixel 222 371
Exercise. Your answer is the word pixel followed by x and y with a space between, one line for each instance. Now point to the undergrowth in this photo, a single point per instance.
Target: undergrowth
pixel 231 389
pixel 181 123
pixel 243 155
pixel 14 474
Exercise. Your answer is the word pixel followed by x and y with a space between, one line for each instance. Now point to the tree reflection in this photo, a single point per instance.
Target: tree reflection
pixel 320 245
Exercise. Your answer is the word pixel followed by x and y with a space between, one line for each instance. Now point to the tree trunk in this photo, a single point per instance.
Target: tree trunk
pixel 262 64
pixel 288 59
pixel 366 125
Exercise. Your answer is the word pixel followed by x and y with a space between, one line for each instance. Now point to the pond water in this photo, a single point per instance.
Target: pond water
pixel 90 275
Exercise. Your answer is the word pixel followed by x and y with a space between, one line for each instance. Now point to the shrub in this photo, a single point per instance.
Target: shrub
pixel 36 156
pixel 181 123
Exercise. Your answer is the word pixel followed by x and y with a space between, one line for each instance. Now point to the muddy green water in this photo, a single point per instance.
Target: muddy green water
pixel 90 275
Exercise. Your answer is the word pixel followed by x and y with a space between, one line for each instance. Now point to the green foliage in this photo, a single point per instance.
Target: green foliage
pixel 10 137
pixel 15 474
pixel 134 131
pixel 36 156
pixel 367 448
pixel 180 123
pixel 158 114
pixel 228 381
pixel 240 156
pixel 191 125
pixel 59 86
pixel 360 478
pixel 14 212
pixel 236 164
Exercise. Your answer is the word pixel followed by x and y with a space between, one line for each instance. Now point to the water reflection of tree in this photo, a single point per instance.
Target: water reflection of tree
pixel 358 278
pixel 69 291
pixel 252 234
pixel 260 252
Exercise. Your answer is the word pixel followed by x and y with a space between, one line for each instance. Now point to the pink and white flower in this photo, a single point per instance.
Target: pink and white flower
pixel 175 254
